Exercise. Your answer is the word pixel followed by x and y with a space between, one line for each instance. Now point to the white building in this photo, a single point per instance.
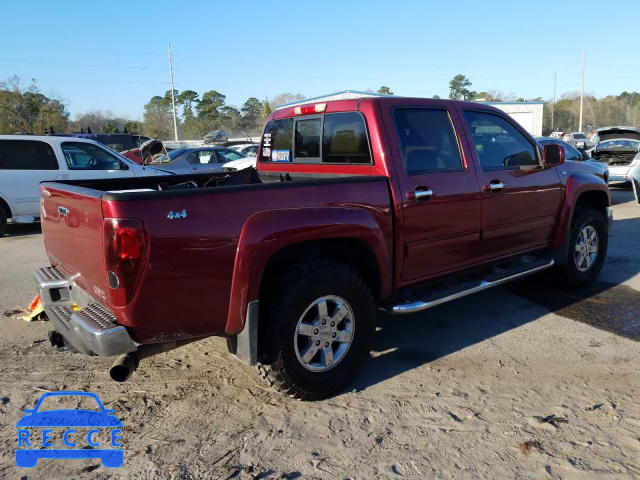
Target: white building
pixel 343 95
pixel 527 114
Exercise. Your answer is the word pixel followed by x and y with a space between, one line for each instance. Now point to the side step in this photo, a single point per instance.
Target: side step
pixel 498 276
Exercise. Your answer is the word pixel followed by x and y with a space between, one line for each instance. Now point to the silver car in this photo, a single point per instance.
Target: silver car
pixel 196 160
pixel 573 155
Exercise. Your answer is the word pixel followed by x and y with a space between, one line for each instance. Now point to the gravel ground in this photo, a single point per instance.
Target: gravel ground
pixel 461 391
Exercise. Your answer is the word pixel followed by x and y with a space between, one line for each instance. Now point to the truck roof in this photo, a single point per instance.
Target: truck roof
pixel 385 101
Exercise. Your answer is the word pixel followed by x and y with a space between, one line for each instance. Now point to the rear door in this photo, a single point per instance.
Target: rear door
pixel 520 198
pixel 23 165
pixel 87 161
pixel 440 192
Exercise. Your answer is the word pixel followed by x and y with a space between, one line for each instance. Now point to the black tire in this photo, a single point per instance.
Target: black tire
pixel 3 221
pixel 293 294
pixel 570 274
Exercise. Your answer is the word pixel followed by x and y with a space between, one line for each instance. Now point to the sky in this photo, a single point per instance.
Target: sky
pixel 113 55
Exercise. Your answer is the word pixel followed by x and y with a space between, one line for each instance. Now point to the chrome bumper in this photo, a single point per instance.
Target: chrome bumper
pixel 86 326
pixel 609 217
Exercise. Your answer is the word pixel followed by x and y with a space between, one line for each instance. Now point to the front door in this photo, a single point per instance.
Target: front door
pixel 440 193
pixel 520 198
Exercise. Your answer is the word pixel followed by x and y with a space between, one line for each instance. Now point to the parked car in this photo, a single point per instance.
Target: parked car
pixel 578 140
pixel 116 141
pixel 386 202
pixel 135 155
pixel 574 155
pixel 196 160
pixel 618 148
pixel 246 149
pixel 215 136
pixel 240 164
pixel 27 160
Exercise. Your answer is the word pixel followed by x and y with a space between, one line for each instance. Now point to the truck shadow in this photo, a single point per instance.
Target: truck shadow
pixel 404 342
pixel 21 230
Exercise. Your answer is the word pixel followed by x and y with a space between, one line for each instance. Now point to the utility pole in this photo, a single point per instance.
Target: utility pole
pixel 173 98
pixel 553 107
pixel 582 93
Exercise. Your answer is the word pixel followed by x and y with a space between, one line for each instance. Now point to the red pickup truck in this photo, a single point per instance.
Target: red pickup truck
pixel 393 203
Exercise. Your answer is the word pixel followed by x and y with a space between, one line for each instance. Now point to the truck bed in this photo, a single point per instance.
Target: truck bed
pixel 192 226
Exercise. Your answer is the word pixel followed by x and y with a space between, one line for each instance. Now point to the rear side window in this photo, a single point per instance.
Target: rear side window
pixel 427 141
pixel 331 138
pixel 27 155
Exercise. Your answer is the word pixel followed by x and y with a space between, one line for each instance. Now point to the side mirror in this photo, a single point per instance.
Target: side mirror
pixel 553 155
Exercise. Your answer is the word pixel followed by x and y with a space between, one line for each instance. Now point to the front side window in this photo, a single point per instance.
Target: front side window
pixel 202 156
pixel 499 144
pixel 427 140
pixel 27 155
pixel 87 156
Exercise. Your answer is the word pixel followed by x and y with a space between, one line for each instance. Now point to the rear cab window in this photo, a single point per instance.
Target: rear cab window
pixel 27 155
pixel 332 138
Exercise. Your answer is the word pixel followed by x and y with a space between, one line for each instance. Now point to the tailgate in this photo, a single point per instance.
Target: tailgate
pixel 72 228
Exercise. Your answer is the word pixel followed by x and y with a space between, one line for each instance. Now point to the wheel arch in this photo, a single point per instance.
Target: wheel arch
pixel 346 234
pixel 581 191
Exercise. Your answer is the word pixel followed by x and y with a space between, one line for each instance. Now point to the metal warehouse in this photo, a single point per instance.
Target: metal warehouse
pixel 527 114
pixel 343 95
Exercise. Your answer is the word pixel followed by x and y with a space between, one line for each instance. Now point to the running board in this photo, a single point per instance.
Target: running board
pixel 462 290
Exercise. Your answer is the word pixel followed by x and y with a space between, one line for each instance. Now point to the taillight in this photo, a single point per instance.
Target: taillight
pixel 309 109
pixel 124 245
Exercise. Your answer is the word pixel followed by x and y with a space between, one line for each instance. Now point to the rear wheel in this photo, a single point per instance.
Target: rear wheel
pixel 316 330
pixel 587 249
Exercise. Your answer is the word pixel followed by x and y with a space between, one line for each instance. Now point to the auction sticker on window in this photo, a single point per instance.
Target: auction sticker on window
pixel 280 156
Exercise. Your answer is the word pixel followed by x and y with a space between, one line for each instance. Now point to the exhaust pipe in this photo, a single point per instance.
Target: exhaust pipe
pixel 126 364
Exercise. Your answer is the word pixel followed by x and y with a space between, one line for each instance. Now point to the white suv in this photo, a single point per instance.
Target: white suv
pixel 27 160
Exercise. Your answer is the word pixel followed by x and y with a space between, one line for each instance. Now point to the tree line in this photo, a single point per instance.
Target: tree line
pixel 24 109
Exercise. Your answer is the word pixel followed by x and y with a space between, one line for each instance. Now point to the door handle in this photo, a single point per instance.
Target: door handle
pixel 63 211
pixel 495 186
pixel 421 193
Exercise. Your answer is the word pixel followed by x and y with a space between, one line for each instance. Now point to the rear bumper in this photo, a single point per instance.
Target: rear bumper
pixel 86 325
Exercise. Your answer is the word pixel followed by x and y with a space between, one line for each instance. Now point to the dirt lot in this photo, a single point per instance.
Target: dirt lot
pixel 462 391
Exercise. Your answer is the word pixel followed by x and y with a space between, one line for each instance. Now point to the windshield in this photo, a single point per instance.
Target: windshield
pixel 620 144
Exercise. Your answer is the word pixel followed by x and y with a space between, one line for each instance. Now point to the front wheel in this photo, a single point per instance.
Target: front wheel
pixel 317 326
pixel 587 249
